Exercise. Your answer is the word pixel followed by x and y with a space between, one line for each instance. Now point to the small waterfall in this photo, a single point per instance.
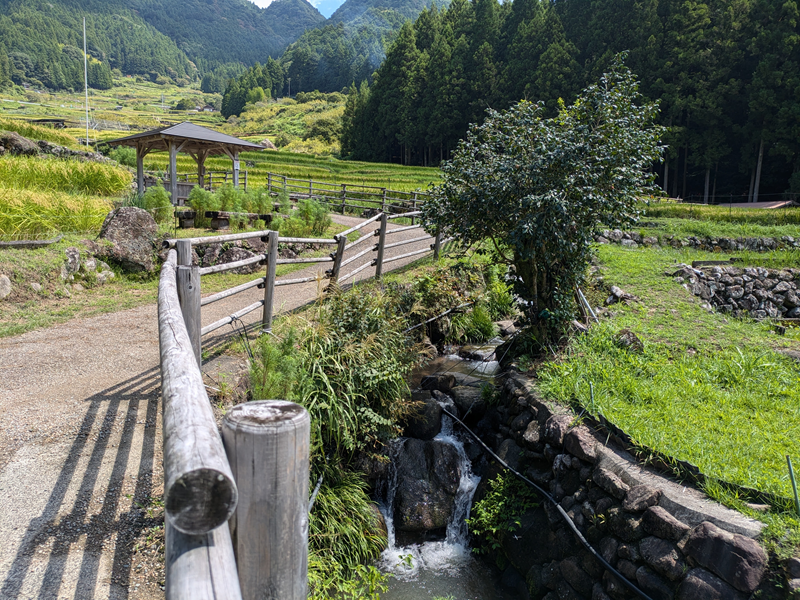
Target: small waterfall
pixel 450 554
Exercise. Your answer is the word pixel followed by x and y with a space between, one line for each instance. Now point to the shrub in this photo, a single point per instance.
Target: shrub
pixel 202 200
pixel 156 202
pixel 473 326
pixel 124 155
pixel 314 215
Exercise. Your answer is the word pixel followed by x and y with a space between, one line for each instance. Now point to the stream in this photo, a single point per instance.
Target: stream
pixel 447 568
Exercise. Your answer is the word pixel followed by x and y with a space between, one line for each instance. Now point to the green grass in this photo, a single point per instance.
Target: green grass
pixel 703 228
pixel 36 214
pixel 722 214
pixel 707 389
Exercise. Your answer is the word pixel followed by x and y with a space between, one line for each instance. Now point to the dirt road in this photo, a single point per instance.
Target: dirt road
pixel 80 443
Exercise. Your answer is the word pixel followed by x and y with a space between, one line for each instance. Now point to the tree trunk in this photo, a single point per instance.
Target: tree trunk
pixel 665 187
pixel 758 170
pixel 714 189
pixel 705 188
pixel 685 167
pixel 752 182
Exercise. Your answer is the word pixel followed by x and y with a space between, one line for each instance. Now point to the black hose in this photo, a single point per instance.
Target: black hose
pixel 632 587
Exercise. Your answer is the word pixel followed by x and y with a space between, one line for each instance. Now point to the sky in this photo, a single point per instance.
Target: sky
pixel 326 7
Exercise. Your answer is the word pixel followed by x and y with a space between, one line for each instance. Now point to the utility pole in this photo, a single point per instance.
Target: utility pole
pixel 86 81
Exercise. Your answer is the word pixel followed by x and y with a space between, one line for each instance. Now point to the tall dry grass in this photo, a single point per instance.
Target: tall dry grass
pixel 35 213
pixel 37 132
pixel 63 175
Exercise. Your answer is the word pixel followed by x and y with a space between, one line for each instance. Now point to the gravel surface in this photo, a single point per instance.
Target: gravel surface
pixel 80 446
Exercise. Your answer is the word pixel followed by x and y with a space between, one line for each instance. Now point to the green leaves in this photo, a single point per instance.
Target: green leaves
pixel 539 186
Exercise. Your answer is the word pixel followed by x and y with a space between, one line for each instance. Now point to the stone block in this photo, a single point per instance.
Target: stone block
pixel 575 576
pixel 657 521
pixel 556 428
pixel 581 443
pixel 699 583
pixel 641 497
pixel 610 483
pixel 653 585
pixel 663 556
pixel 737 559
pixel 624 525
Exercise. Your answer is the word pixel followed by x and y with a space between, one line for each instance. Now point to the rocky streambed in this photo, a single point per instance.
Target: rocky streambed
pixel 665 538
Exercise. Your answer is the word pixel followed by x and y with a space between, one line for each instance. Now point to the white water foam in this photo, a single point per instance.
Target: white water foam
pixel 447 556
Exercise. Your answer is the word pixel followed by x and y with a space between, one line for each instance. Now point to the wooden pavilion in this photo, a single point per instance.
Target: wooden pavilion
pixel 194 140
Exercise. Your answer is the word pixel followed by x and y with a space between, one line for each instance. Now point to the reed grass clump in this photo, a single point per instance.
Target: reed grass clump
pixel 90 178
pixel 26 213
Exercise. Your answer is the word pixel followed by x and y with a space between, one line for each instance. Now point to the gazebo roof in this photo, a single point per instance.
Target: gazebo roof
pixel 193 138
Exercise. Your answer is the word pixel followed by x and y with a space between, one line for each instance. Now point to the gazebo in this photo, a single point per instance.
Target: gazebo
pixel 194 140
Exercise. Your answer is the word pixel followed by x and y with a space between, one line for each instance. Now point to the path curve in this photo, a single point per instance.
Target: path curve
pixel 80 441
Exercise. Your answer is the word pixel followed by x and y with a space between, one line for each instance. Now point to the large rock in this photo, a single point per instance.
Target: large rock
pixel 737 559
pixel 5 286
pixel 236 254
pixel 132 234
pixel 663 556
pixel 427 421
pixel 580 442
pixel 659 522
pixel 428 476
pixel 699 583
pixel 470 403
pixel 16 144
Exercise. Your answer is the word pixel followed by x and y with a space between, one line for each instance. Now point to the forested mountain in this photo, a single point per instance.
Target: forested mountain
pixel 212 33
pixel 351 44
pixel 726 72
pixel 41 41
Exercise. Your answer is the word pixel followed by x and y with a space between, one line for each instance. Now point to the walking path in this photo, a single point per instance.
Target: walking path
pixel 80 442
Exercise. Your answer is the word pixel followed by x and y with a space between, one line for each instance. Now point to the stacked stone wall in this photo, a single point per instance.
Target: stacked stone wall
pixel 668 539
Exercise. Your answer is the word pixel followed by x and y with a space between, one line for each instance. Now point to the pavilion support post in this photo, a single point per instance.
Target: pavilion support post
pixel 236 169
pixel 173 172
pixel 201 167
pixel 140 169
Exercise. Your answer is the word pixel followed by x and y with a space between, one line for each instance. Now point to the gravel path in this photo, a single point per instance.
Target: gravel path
pixel 80 442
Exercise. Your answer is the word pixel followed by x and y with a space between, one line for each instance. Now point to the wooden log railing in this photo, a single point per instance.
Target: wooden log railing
pixel 236 522
pixel 341 196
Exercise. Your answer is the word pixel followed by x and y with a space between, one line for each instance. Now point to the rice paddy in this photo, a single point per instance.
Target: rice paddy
pixel 63 175
pixel 38 213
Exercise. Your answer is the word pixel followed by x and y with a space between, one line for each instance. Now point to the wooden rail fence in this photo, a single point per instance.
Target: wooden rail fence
pixel 236 504
pixel 341 196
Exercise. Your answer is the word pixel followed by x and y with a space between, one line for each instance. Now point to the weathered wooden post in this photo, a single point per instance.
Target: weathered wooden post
pixel 269 282
pixel 437 246
pixel 245 180
pixel 284 183
pixel 189 295
pixel 310 189
pixel 381 244
pixel 269 183
pixel 200 567
pixel 267 443
pixel 199 489
pixel 414 208
pixel 383 200
pixel 337 258
pixel 344 196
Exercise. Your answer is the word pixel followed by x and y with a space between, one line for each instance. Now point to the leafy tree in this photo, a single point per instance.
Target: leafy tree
pixel 538 187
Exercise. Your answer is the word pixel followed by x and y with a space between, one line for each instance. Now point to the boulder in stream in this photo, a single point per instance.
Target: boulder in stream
pixel 427 421
pixel 428 476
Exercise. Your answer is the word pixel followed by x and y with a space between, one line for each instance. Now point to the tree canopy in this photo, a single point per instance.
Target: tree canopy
pixel 537 187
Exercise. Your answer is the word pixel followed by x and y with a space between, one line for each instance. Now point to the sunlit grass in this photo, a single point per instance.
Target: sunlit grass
pixel 708 389
pixel 32 213
pixel 38 132
pixel 91 178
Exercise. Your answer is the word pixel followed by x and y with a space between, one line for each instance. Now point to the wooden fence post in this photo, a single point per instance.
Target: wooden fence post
pixel 414 208
pixel 337 259
pixel 383 200
pixel 210 181
pixel 189 295
pixel 269 183
pixel 269 282
pixel 381 244
pixel 437 246
pixel 344 196
pixel 284 183
pixel 310 189
pixel 245 180
pixel 267 443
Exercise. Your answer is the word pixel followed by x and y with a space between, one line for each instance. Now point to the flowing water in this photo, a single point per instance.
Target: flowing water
pixel 445 568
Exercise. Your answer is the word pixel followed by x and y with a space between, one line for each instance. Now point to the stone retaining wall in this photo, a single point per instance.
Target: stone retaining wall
pixel 758 292
pixel 632 239
pixel 668 539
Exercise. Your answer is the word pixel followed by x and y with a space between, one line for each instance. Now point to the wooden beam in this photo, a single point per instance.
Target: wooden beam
pixel 173 172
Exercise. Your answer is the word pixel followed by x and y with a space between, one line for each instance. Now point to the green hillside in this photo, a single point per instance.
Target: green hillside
pixel 41 41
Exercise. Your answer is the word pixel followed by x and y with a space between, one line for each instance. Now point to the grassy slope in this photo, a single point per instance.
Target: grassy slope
pixel 708 389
